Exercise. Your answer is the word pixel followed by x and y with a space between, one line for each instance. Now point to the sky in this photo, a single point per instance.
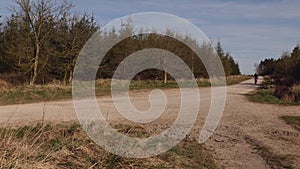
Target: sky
pixel 250 30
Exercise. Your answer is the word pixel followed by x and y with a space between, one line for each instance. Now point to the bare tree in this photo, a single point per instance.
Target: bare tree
pixel 40 16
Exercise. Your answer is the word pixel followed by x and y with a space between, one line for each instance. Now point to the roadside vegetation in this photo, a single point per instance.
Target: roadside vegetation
pixel 266 93
pixel 283 76
pixel 67 146
pixel 54 92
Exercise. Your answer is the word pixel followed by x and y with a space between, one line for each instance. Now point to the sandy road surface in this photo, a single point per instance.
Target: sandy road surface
pixel 258 123
pixel 242 122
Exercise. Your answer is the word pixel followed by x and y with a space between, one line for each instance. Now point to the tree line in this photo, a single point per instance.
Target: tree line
pixel 285 74
pixel 41 40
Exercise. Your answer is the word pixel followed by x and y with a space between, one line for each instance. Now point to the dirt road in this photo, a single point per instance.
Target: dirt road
pixel 247 129
pixel 250 135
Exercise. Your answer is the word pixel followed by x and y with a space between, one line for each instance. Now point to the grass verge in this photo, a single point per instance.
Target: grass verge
pixel 264 96
pixel 294 121
pixel 67 146
pixel 267 96
pixel 41 93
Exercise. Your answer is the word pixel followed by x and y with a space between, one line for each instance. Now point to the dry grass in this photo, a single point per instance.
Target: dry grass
pixel 67 146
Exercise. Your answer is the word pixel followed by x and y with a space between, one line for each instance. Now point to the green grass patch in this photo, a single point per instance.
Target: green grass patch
pixel 292 120
pixel 267 96
pixel 264 96
pixel 29 94
pixel 67 146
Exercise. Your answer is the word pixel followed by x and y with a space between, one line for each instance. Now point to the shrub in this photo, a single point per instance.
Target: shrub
pixel 296 93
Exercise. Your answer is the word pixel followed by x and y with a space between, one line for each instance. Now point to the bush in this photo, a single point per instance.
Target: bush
pixel 283 87
pixel 296 93
pixel 14 78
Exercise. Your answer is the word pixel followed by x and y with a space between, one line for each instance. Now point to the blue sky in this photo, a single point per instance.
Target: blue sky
pixel 251 30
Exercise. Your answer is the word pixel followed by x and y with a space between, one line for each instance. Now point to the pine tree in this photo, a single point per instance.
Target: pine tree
pixel 295 55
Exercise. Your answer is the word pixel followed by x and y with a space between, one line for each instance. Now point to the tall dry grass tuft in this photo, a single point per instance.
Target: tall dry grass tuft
pixel 67 146
pixel 48 146
pixel 20 146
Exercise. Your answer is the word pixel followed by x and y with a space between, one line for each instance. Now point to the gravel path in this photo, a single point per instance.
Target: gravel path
pixel 244 129
pixel 247 127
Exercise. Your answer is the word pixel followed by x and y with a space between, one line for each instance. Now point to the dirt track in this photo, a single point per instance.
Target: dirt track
pixel 244 127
